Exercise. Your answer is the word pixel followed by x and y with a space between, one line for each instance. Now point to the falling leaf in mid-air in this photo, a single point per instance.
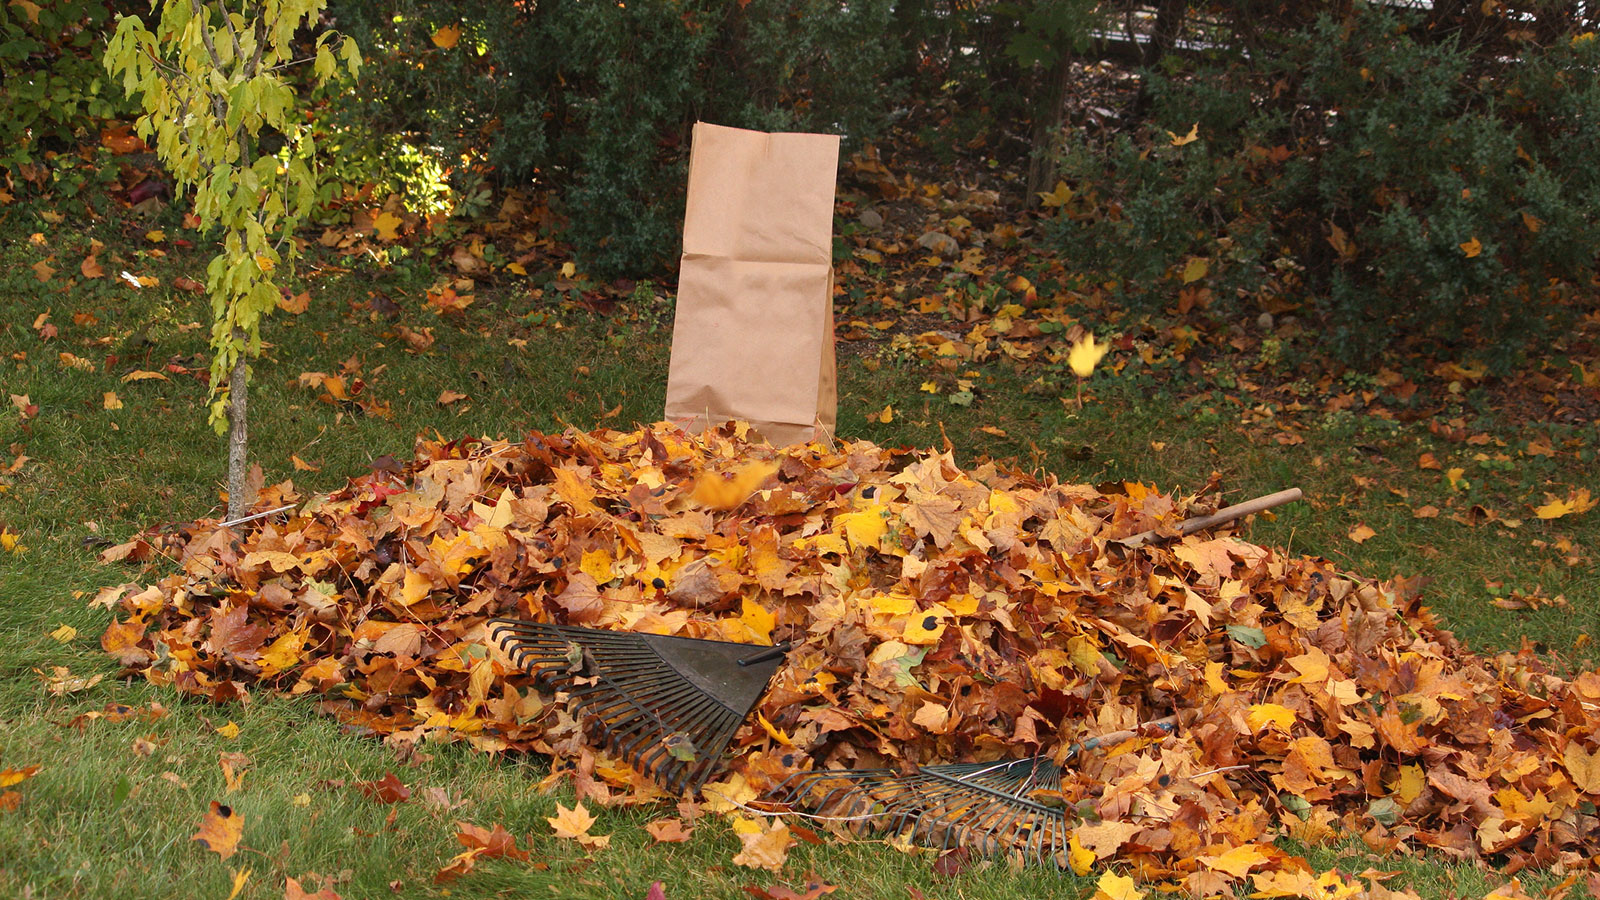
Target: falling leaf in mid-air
pixel 1085 355
pixel 447 36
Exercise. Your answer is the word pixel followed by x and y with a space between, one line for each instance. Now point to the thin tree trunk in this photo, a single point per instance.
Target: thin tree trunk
pixel 240 497
pixel 1049 114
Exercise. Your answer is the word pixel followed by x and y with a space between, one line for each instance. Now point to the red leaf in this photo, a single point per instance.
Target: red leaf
pixel 387 789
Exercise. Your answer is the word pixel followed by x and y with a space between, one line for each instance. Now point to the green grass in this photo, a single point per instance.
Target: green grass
pixel 113 808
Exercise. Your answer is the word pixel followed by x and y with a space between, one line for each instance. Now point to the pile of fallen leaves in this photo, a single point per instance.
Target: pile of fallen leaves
pixel 938 615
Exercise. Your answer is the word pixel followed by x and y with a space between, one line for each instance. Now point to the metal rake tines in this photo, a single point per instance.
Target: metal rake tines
pixel 667 705
pixel 982 806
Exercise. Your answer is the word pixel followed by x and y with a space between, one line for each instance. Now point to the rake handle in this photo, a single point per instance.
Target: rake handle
pixel 1222 516
pixel 770 653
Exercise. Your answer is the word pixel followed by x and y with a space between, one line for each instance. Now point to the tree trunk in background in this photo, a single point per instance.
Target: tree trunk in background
pixel 1049 114
pixel 1169 27
pixel 239 502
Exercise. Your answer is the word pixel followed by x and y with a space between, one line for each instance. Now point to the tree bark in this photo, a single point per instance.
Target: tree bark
pixel 240 497
pixel 1049 115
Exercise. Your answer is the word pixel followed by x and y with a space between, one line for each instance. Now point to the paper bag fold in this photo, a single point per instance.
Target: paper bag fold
pixel 753 333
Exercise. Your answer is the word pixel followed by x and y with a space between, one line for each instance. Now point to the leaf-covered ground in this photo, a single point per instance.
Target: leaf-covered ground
pixel 939 615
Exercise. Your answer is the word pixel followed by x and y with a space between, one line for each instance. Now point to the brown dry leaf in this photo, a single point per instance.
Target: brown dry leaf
pixel 387 789
pixel 295 304
pixel 495 843
pixel 220 830
pixel 1362 533
pixel 447 397
pixel 293 891
pixel 669 831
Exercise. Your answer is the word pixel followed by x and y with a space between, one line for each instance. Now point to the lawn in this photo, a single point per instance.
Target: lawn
pixel 103 434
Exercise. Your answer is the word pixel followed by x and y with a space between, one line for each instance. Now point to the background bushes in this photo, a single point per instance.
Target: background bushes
pixel 53 90
pixel 1378 172
pixel 1388 173
pixel 595 101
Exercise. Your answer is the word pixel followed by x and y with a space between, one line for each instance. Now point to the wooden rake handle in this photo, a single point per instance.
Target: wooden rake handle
pixel 1220 517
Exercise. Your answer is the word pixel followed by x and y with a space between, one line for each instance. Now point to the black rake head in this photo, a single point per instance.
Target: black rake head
pixel 668 705
pixel 985 807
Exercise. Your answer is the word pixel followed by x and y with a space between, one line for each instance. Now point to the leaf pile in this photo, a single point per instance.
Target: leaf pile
pixel 939 615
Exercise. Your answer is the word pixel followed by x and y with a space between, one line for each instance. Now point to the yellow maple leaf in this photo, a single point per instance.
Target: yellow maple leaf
pixel 1085 354
pixel 1410 785
pixel 597 563
pixel 574 824
pixel 230 730
pixel 1060 196
pixel 927 626
pixel 220 830
pixel 283 653
pixel 1583 766
pixel 724 491
pixel 64 633
pixel 865 528
pixel 447 36
pixel 1191 137
pixel 387 225
pixel 763 849
pixel 1195 269
pixel 1112 886
pixel 1079 857
pixel 1264 714
pixel 1236 862
pixel 757 621
pixel 1578 501
pixel 1472 247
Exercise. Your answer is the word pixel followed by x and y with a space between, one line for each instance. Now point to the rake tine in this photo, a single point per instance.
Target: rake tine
pixel 648 688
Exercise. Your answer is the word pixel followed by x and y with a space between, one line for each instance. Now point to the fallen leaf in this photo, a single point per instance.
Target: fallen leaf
pixel 293 891
pixel 495 842
pixel 1112 886
pixel 447 397
pixel 1191 137
pixel 387 789
pixel 239 879
pixel 1361 533
pixel 295 304
pixel 220 830
pixel 1578 501
pixel 574 824
pixel 110 400
pixel 1472 248
pixel 669 831
pixel 763 848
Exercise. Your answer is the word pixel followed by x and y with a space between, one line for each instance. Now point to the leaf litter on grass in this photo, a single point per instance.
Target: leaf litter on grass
pixel 938 616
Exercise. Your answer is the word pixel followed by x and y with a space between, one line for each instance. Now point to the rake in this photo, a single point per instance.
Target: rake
pixel 668 705
pixel 985 807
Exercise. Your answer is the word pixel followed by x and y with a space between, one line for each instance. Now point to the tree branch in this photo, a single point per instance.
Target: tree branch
pixel 203 14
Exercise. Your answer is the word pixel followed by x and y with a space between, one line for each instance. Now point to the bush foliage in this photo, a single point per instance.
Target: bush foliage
pixel 1379 170
pixel 596 100
pixel 1385 173
pixel 53 92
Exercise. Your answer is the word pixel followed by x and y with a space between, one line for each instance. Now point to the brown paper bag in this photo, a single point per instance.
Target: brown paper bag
pixel 753 333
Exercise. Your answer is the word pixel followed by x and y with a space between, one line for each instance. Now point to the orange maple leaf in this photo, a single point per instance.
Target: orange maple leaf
pixel 220 830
